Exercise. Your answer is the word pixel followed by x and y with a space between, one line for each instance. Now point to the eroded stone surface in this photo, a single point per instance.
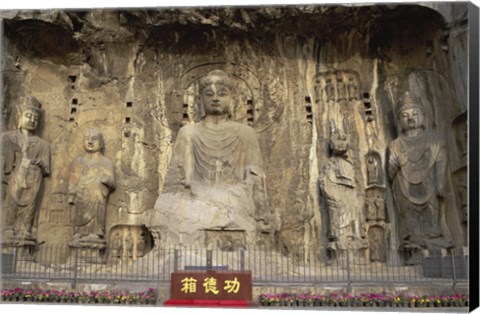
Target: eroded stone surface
pixel 134 75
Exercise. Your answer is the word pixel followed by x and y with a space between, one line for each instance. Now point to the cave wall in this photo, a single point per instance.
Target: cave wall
pixel 132 74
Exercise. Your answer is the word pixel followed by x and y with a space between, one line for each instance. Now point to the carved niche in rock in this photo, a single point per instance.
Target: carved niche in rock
pixel 91 180
pixel 215 178
pixel 375 204
pixel 253 103
pixel 26 160
pixel 418 171
pixel 377 229
pixel 374 168
pixel 337 183
pixel 377 243
pixel 128 243
pixel 336 86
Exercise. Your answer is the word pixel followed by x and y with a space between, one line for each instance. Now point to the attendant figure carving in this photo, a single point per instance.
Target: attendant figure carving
pixel 374 173
pixel 329 90
pixel 215 178
pixel 26 161
pixel 417 169
pixel 337 183
pixel 91 181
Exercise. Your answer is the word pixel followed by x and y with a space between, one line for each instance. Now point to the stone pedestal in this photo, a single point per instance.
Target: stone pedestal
pixel 89 250
pixel 23 248
pixel 413 254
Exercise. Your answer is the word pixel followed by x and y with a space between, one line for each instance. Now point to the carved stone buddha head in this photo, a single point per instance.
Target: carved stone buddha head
pixel 410 114
pixel 216 93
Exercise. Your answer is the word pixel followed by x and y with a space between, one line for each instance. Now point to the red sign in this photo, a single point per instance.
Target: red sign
pixel 211 285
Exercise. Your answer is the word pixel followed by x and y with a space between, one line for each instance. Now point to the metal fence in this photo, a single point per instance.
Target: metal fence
pixel 309 266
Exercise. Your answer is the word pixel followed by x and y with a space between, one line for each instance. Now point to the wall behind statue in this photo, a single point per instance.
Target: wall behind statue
pixel 300 73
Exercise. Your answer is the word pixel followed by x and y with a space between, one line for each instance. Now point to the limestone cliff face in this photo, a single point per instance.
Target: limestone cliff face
pixel 132 74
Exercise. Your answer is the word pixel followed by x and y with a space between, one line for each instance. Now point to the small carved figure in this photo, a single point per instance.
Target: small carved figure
pixel 352 89
pixel 376 237
pixel 129 246
pixel 141 245
pixel 329 90
pixel 26 160
pixel 375 205
pixel 117 245
pixel 373 169
pixel 91 181
pixel 417 168
pixel 341 91
pixel 216 168
pixel 338 186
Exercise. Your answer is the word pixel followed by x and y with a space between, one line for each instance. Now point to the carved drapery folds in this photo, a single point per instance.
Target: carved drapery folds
pixel 25 162
pixel 90 182
pixel 419 173
pixel 215 180
pixel 339 189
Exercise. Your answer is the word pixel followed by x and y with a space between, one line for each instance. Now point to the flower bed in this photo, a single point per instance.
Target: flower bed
pixel 92 297
pixel 363 300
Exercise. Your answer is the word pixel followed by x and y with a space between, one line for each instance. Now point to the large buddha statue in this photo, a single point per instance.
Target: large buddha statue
pixel 215 179
pixel 418 171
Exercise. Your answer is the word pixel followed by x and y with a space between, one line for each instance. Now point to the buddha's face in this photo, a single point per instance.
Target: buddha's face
pixel 411 119
pixel 29 120
pixel 216 98
pixel 92 142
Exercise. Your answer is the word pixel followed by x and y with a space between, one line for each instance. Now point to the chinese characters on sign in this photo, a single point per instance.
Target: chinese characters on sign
pixel 210 284
pixel 189 285
pixel 228 285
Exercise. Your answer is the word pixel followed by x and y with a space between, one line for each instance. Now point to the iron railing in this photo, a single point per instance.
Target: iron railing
pixel 308 266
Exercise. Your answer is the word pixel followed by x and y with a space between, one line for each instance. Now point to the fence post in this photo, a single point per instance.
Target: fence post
pixel 349 280
pixel 209 259
pixel 454 276
pixel 242 259
pixel 175 260
pixel 15 257
pixel 75 266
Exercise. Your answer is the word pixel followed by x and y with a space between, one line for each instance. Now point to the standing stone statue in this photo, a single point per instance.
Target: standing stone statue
pixel 329 90
pixel 90 183
pixel 215 178
pixel 337 182
pixel 417 169
pixel 26 160
pixel 374 169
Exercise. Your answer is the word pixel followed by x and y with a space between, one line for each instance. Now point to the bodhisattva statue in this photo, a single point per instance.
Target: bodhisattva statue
pixel 215 178
pixel 90 182
pixel 337 183
pixel 417 169
pixel 26 160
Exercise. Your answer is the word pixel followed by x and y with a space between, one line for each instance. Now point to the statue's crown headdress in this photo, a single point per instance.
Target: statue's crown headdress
pixel 30 103
pixel 408 101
